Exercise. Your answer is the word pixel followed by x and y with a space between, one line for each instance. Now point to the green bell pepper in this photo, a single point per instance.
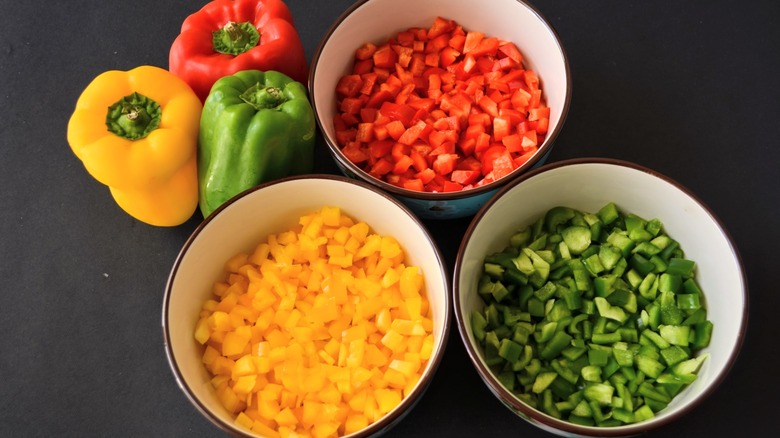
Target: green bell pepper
pixel 255 127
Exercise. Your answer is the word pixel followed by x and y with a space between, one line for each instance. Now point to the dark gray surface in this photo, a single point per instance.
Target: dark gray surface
pixel 688 89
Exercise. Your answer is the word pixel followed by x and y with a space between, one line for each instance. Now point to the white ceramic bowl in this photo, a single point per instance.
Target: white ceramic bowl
pixel 587 185
pixel 248 219
pixel 377 20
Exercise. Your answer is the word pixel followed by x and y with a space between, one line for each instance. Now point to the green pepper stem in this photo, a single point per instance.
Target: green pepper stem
pixel 133 117
pixel 235 38
pixel 261 97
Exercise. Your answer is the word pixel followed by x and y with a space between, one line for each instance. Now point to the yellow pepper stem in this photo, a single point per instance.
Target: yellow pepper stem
pixel 133 117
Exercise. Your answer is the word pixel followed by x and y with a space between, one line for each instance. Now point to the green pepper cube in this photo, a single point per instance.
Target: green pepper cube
pixel 608 311
pixel 542 381
pixel 506 379
pixel 591 373
pixel 600 393
pixel 643 413
pixel 478 325
pixel 703 334
pixel 620 240
pixel 690 366
pixel 557 216
pixel 598 357
pixel 555 346
pixel 681 267
pixel 675 334
pixel 624 358
pixel 520 238
pixel 649 366
pixel 509 350
pixel 546 292
pixel 608 213
pixel 577 238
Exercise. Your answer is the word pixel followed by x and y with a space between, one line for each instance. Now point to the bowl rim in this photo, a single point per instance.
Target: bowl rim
pixel 345 163
pixel 537 416
pixel 407 403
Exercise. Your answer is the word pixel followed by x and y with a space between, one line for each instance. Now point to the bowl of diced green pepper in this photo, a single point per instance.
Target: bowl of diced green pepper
pixel 596 297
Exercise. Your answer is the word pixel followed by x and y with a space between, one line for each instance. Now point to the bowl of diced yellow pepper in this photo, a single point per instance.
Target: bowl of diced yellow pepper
pixel 311 305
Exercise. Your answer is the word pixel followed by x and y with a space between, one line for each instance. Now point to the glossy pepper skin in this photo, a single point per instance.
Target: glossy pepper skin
pixel 226 36
pixel 256 127
pixel 136 132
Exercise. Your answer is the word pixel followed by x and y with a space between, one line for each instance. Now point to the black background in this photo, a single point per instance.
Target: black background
pixel 687 88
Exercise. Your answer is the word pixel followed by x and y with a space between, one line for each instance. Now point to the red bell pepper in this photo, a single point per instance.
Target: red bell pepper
pixel 227 36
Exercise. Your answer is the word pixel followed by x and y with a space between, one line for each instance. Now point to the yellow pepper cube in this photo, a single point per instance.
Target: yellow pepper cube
pixel 411 281
pixel 426 350
pixel 389 247
pixel 244 385
pixel 210 354
pixel 394 341
pixel 343 261
pixel 387 399
pixel 341 235
pixel 220 321
pixel 229 399
pixel 244 421
pixel 202 331
pixel 268 409
pixel 235 343
pixel 244 366
pixel 372 245
pixel 264 430
pixel 285 417
pixel 311 412
pixel 236 262
pixel 384 320
pixel 394 378
pixel 331 216
pixel 325 429
pixel 407 368
pixel 355 423
pixel 359 231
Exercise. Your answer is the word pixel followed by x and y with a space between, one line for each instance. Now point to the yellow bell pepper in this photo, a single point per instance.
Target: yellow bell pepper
pixel 136 132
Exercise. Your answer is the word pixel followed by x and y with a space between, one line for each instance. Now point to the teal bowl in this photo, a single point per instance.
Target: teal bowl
pixel 377 20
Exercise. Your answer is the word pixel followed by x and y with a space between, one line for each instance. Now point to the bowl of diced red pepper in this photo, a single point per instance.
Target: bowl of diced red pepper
pixel 440 103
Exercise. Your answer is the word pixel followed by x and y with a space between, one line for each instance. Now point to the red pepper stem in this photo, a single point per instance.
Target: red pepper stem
pixel 261 97
pixel 235 38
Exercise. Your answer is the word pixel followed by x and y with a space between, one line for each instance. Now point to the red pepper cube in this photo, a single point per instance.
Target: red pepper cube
pixel 440 26
pixel 418 130
pixel 385 57
pixel 501 127
pixel 445 163
pixel 366 51
pixel 426 175
pixel 381 167
pixel 349 85
pixel 510 50
pixel 402 165
pixel 380 148
pixel 413 184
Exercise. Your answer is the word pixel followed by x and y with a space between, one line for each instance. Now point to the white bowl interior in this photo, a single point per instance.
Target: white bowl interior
pixel 588 187
pixel 377 20
pixel 272 209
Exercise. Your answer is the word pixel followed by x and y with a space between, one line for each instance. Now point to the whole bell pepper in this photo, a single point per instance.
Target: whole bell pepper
pixel 255 127
pixel 136 132
pixel 226 36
